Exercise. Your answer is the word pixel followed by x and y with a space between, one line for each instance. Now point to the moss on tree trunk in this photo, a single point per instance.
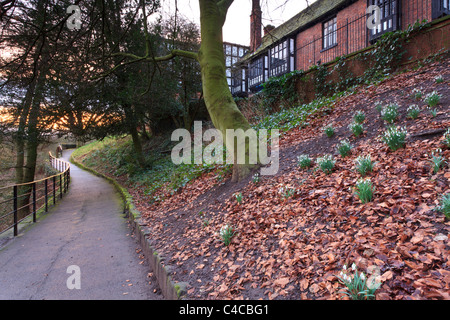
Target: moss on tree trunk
pixel 221 107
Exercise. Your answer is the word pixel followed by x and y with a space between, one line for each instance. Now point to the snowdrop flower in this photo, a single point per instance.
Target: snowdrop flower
pixel 353 266
pixel 362 276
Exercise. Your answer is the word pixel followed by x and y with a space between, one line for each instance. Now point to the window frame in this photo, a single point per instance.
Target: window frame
pixel 389 20
pixel 282 57
pixel 440 8
pixel 329 33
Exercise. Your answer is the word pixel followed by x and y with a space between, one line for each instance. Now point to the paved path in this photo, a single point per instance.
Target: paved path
pixel 86 229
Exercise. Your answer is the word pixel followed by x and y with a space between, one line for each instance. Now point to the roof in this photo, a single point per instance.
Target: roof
pixel 316 11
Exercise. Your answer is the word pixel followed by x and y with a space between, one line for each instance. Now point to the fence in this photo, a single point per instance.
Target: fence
pixel 19 201
pixel 352 35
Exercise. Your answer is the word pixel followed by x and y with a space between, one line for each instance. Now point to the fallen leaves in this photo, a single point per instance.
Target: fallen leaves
pixel 294 248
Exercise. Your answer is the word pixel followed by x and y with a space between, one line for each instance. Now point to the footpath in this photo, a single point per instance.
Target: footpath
pixel 82 249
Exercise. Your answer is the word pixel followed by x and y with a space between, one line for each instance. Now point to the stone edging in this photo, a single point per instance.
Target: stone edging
pixel 169 289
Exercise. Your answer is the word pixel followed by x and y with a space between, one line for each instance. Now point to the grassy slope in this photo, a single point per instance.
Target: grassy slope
pixel 292 247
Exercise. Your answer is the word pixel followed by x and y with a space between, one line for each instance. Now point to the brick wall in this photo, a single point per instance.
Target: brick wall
pixel 309 43
pixel 413 10
pixel 352 32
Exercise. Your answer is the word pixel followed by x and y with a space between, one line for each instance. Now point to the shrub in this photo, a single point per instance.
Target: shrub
pixel 394 137
pixel 357 128
pixel 364 190
pixel 344 148
pixel 364 165
pixel 445 205
pixel 433 112
pixel 432 99
pixel 226 233
pixel 356 286
pixel 286 192
pixel 359 117
pixel 238 197
pixel 437 160
pixel 413 111
pixel 447 138
pixel 389 113
pixel 378 106
pixel 304 161
pixel 326 163
pixel 417 93
pixel 329 131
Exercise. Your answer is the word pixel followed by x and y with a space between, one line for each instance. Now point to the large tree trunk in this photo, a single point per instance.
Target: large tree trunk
pixel 219 101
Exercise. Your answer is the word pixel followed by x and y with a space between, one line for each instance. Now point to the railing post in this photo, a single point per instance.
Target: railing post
pixel 46 194
pixel 54 189
pixel 60 186
pixel 347 39
pixel 34 202
pixel 15 209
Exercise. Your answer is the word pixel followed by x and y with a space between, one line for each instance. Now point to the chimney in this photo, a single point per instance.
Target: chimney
pixel 255 25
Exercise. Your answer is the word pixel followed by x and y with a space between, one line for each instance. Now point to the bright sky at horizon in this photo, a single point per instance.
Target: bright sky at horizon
pixel 237 25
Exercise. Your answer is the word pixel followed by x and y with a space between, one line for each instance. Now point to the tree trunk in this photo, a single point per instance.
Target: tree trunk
pixel 221 107
pixel 20 136
pixel 137 146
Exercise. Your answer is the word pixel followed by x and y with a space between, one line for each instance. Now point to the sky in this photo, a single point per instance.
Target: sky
pixel 237 25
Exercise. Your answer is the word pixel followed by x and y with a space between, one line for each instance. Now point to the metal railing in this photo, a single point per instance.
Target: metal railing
pixel 17 202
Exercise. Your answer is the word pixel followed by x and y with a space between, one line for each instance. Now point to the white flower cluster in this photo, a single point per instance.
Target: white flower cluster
pixel 304 161
pixel 395 132
pixel 413 107
pixel 286 191
pixel 326 158
pixel 347 278
pixel 389 113
pixel 225 231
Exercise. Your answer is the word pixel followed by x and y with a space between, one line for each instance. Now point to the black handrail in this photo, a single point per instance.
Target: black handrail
pixel 28 198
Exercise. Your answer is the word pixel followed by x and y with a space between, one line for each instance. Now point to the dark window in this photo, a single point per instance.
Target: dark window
pixel 256 72
pixel 238 81
pixel 389 21
pixel 233 53
pixel 440 8
pixel 282 58
pixel 330 33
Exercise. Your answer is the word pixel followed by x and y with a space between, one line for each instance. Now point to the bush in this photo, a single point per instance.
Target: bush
pixel 447 138
pixel 226 233
pixel 437 160
pixel 344 148
pixel 413 111
pixel 329 131
pixel 304 161
pixel 286 192
pixel 389 113
pixel 364 190
pixel 357 128
pixel 417 93
pixel 359 117
pixel 326 163
pixel 356 285
pixel 432 99
pixel 394 137
pixel 364 165
pixel 445 205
